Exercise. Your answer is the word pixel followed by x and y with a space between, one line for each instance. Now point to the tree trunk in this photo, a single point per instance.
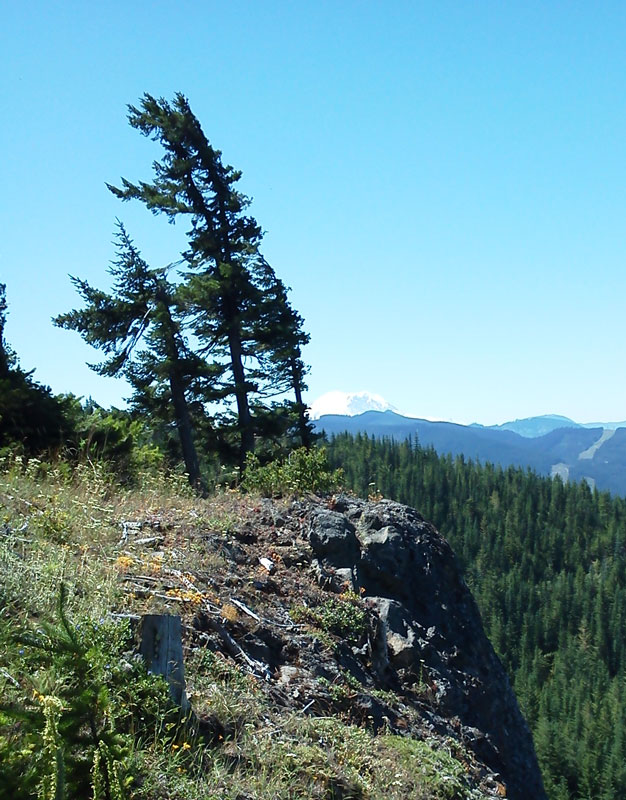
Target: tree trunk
pixel 185 430
pixel 4 361
pixel 181 409
pixel 241 396
pixel 162 649
pixel 303 423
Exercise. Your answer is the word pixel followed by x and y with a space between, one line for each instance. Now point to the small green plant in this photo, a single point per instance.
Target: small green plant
pixel 339 692
pixel 69 722
pixel 163 483
pixel 440 773
pixel 342 616
pixel 53 523
pixel 301 472
pixel 223 672
pixel 52 785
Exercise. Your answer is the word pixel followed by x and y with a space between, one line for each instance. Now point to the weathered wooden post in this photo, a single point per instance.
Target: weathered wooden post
pixel 161 645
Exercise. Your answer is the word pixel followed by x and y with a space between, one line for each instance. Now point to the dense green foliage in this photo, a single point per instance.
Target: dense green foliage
pixel 301 472
pixel 547 565
pixel 139 328
pixel 31 418
pixel 244 329
pixel 71 734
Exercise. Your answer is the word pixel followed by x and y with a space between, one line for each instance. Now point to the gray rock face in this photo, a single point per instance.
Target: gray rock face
pixel 399 633
pixel 428 626
pixel 333 539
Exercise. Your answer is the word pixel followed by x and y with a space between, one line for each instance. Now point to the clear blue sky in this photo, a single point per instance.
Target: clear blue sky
pixel 443 184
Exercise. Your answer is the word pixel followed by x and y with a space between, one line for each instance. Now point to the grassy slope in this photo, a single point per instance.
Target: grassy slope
pixel 58 526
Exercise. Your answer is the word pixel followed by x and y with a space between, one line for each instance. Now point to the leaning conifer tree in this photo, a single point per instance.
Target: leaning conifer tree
pixel 229 276
pixel 137 326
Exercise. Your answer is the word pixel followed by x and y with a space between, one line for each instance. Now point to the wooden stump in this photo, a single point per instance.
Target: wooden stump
pixel 161 646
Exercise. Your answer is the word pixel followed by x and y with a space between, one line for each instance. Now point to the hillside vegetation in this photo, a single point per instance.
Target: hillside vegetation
pixel 546 563
pixel 82 559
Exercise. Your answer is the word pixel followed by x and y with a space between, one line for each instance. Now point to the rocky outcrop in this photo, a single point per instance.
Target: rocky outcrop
pixel 429 627
pixel 356 609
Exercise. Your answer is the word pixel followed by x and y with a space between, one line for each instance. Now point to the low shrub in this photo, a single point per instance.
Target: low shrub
pixel 301 472
pixel 68 724
pixel 343 616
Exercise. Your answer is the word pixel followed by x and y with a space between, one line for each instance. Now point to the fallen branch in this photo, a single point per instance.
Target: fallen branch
pixel 22 500
pixel 258 668
pixel 143 591
pixel 243 607
pixel 147 578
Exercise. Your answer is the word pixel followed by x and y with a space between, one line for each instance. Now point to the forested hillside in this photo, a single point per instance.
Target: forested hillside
pixel 546 563
pixel 575 452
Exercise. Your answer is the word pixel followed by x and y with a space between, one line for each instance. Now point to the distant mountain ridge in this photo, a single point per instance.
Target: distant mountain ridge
pixel 350 404
pixel 576 452
pixel 539 426
pixel 534 426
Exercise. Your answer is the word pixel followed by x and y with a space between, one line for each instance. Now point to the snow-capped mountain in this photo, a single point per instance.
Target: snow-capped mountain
pixel 348 404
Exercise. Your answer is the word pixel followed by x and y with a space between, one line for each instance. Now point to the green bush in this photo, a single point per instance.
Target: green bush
pixel 301 472
pixel 68 724
pixel 342 616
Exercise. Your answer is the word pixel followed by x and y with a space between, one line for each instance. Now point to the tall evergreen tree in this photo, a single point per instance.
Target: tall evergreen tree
pixel 137 326
pixel 231 276
pixel 281 332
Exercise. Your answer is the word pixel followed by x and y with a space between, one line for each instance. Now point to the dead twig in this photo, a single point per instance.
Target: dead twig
pixel 258 668
pixel 243 607
pixel 9 677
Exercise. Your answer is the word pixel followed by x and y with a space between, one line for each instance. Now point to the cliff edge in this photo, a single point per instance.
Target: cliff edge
pixel 388 634
pixel 427 624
